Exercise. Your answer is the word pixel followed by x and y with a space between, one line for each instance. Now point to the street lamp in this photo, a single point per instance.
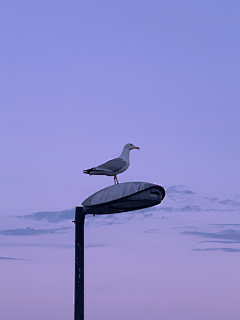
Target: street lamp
pixel 121 197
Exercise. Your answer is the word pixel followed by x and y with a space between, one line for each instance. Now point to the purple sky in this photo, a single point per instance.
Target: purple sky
pixel 78 81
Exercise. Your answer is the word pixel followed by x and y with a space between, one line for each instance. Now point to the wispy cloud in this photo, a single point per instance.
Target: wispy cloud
pixel 180 189
pixel 164 217
pixel 193 208
pixel 51 245
pixel 228 234
pixel 95 245
pixel 182 199
pixel 7 258
pixel 154 231
pixel 211 199
pixel 218 241
pixel 52 217
pixel 179 199
pixel 230 202
pixel 218 249
pixel 223 225
pixel 31 232
pixel 37 245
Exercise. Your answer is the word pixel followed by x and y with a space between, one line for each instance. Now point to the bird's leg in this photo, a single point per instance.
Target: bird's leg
pixel 116 179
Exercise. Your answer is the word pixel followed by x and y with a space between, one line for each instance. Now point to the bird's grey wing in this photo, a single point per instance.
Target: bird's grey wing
pixel 113 165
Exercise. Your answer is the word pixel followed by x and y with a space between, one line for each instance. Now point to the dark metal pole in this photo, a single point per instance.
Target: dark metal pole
pixel 79 264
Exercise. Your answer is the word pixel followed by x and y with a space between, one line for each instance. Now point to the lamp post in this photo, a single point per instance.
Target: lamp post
pixel 79 264
pixel 122 197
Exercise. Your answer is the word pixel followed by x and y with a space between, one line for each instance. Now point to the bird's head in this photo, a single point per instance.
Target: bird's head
pixel 130 146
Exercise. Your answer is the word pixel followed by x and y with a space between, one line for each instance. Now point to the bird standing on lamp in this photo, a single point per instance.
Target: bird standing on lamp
pixel 115 166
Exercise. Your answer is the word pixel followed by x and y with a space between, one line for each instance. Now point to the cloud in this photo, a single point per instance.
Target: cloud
pixel 7 258
pixel 164 217
pixel 217 241
pixel 227 234
pixel 50 245
pixel 168 209
pixel 211 199
pixel 193 208
pixel 229 202
pixel 31 232
pixel 147 215
pixel 179 199
pixel 222 225
pixel 58 216
pixel 187 227
pixel 37 245
pixel 179 189
pixel 95 245
pixel 153 231
pixel 218 249
pixel 186 208
pixel 52 217
pixel 182 199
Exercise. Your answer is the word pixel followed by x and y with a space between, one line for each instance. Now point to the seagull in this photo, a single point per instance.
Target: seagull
pixel 114 166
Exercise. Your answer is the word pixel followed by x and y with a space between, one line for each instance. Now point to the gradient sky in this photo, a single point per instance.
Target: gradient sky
pixel 78 81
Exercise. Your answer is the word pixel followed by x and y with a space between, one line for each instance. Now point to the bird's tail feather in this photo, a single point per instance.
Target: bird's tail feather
pixel 87 171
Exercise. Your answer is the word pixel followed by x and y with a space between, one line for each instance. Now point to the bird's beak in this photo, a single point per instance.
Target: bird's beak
pixel 136 148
